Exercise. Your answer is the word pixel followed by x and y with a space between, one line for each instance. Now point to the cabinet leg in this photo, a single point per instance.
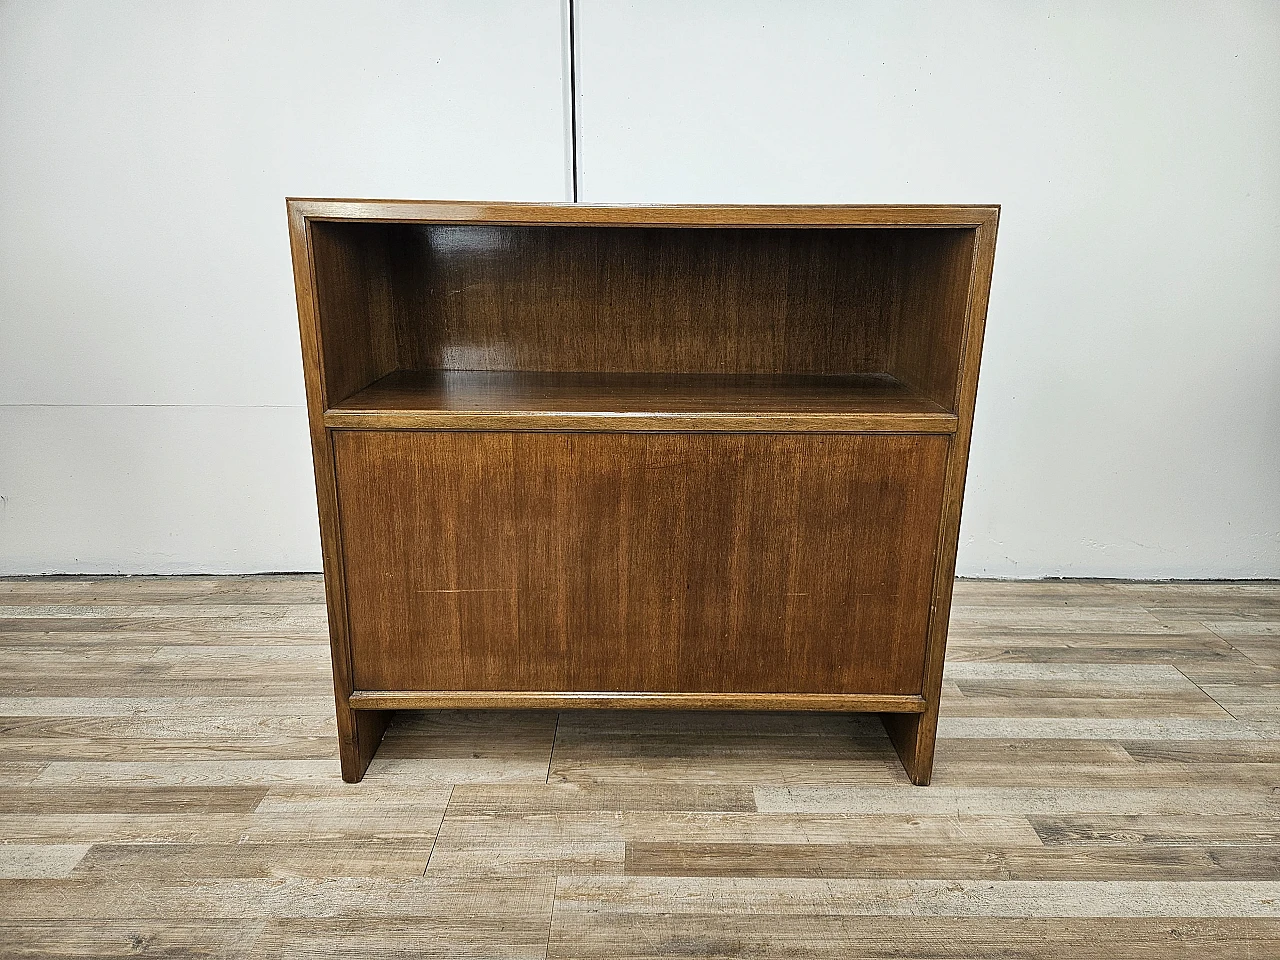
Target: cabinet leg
pixel 912 735
pixel 359 733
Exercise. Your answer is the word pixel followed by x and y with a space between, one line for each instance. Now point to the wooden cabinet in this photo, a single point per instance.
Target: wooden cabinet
pixel 681 457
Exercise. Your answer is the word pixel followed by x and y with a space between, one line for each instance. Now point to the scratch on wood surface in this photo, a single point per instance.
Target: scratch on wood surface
pixel 474 590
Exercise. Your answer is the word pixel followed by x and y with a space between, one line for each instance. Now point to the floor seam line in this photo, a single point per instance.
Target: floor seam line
pixel 439 830
pixel 555 735
pixel 1221 706
pixel 1227 641
pixel 551 920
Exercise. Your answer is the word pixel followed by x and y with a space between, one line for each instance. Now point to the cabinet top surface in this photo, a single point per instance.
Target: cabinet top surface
pixel 576 214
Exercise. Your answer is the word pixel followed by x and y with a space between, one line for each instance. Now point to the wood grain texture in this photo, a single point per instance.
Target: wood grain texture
pixel 358 733
pixel 1090 799
pixel 630 700
pixel 519 400
pixel 929 308
pixel 545 562
pixel 355 308
pixel 569 214
pixel 648 299
pixel 775 321
pixel 914 736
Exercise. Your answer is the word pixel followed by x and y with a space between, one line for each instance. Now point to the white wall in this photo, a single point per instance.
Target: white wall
pixel 151 412
pixel 1128 417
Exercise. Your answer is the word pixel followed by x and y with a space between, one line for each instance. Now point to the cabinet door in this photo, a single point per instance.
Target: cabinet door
pixel 639 562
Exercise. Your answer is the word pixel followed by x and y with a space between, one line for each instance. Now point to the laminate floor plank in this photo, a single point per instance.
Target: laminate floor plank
pixel 1137 776
pixel 1107 784
pixel 17 772
pixel 1203 751
pixel 377 856
pixel 603 897
pixel 680 826
pixel 971 860
pixel 1202 828
pixel 256 588
pixel 1019 593
pixel 178 772
pixel 597 842
pixel 1222 726
pixel 721 748
pixel 69 939
pixel 244 613
pixel 448 901
pixel 413 825
pixel 264 625
pixel 714 937
pixel 970 703
pixel 468 936
pixel 559 798
pixel 39 861
pixel 986 800
pixel 317 706
pixel 220 635
pixel 127 799
pixel 1247 701
pixel 103 738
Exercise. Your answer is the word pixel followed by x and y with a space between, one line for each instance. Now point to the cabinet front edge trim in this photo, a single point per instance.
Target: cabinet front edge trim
pixel 644 423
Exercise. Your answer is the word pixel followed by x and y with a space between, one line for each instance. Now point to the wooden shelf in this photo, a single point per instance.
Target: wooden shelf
pixel 523 400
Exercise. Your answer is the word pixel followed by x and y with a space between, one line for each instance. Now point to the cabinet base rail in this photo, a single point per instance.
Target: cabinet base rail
pixel 631 700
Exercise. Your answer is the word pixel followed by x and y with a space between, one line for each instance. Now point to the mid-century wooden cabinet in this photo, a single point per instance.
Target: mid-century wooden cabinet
pixel 669 457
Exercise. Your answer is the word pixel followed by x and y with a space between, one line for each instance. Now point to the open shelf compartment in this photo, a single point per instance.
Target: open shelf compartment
pixel 550 327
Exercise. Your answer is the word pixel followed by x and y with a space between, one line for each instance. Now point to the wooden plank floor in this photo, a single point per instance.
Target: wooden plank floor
pixel 1107 785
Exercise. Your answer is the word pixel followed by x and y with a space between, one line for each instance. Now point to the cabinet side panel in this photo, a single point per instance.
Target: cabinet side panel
pixel 658 562
pixel 931 294
pixel 358 734
pixel 356 304
pixel 914 736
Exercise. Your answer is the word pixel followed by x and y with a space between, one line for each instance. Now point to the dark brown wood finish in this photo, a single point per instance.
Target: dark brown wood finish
pixel 913 735
pixel 358 733
pixel 589 406
pixel 356 308
pixel 604 402
pixel 685 215
pixel 785 301
pixel 716 563
pixel 631 700
pixel 653 300
pixel 929 310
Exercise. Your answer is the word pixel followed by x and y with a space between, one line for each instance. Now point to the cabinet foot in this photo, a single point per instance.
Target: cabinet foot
pixel 359 733
pixel 913 735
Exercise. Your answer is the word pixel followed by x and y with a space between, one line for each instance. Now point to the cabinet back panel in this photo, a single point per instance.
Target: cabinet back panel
pixel 658 562
pixel 644 299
